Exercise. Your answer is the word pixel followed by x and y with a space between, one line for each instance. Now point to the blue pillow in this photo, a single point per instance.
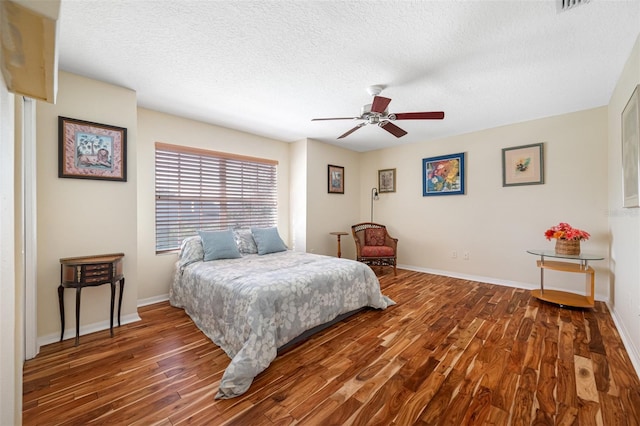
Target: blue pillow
pixel 268 240
pixel 219 245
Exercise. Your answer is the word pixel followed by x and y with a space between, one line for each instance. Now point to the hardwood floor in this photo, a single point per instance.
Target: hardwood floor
pixel 450 352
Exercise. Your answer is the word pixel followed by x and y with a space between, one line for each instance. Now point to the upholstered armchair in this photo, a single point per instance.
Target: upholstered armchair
pixel 374 245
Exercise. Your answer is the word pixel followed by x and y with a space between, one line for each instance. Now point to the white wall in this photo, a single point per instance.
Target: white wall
pixel 624 223
pixel 497 224
pixel 155 127
pixel 78 217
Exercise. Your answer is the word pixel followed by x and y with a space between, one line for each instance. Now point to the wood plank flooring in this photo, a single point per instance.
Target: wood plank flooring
pixel 451 351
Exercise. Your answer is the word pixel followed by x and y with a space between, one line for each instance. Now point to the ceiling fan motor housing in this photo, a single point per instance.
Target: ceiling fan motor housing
pixel 372 117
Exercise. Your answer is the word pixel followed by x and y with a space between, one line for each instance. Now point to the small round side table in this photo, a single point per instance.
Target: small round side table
pixel 339 234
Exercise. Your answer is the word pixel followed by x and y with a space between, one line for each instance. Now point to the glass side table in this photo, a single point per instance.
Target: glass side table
pixel 565 298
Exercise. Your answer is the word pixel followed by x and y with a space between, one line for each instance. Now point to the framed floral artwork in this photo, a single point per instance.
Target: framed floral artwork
pixel 523 165
pixel 387 180
pixel 335 175
pixel 443 175
pixel 89 150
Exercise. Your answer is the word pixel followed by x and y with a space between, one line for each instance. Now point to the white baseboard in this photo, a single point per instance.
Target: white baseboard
pixel 633 352
pixel 70 333
pixel 489 280
pixel 152 300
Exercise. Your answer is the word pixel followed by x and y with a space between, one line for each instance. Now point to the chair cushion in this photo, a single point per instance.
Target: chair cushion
pixel 374 236
pixel 376 251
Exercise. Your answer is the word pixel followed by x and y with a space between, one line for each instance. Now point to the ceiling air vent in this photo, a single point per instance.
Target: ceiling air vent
pixel 569 4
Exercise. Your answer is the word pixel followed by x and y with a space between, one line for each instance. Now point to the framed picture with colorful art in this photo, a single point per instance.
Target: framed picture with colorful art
pixel 88 150
pixel 523 165
pixel 443 175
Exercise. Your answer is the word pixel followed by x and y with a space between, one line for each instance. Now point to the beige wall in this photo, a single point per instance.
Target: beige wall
pixel 331 212
pixel 19 247
pixel 10 330
pixel 78 217
pixel 157 270
pixel 298 195
pixel 624 224
pixel 496 224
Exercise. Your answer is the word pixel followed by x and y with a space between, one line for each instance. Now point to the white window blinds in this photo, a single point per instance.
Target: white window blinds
pixel 199 189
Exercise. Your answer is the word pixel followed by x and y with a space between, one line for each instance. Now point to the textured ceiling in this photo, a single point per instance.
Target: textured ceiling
pixel 269 67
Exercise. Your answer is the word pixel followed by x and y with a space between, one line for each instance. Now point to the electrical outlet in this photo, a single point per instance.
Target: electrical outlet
pixel 465 255
pixel 454 254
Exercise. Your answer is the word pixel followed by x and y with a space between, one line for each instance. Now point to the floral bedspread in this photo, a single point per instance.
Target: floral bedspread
pixel 253 305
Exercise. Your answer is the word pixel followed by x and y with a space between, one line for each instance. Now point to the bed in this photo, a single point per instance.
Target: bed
pixel 254 304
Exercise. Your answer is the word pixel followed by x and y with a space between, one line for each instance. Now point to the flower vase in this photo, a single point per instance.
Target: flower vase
pixel 567 247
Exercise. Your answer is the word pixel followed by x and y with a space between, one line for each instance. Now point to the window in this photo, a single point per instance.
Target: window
pixel 199 189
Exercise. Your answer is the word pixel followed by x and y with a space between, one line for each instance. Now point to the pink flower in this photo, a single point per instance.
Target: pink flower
pixel 564 231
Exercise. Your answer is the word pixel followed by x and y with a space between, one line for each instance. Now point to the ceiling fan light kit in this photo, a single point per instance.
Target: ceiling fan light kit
pixel 377 113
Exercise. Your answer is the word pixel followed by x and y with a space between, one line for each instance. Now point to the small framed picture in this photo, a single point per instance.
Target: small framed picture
pixel 336 179
pixel 523 165
pixel 89 150
pixel 443 175
pixel 387 180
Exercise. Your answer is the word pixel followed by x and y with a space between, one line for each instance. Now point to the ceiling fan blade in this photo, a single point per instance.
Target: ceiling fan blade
pixel 392 128
pixel 344 135
pixel 335 118
pixel 380 104
pixel 433 115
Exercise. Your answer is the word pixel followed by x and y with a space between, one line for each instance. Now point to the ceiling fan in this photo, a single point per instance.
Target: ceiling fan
pixel 377 113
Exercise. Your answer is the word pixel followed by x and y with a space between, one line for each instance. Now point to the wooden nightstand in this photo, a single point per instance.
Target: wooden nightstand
pixel 90 271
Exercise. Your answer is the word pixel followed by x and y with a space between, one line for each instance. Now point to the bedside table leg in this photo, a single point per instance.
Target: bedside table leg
pixel 113 298
pixel 120 299
pixel 61 303
pixel 78 315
